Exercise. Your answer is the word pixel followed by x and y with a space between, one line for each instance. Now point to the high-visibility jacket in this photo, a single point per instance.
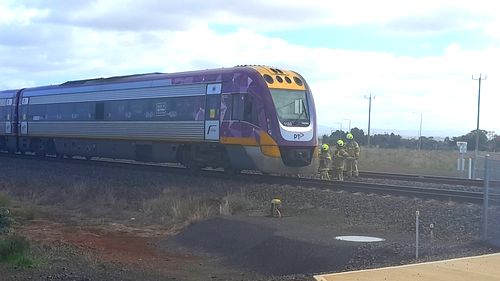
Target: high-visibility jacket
pixel 325 159
pixel 339 155
pixel 352 148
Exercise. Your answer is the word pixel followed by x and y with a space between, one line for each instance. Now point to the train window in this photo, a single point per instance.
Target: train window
pixel 37 112
pixel 225 107
pixel 238 103
pixel 137 109
pixel 116 110
pixel 250 110
pixel 3 114
pixel 212 109
pixel 52 111
pixel 84 110
pixel 99 111
pixel 291 107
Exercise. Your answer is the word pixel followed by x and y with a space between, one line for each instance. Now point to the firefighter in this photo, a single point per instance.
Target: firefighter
pixel 325 160
pixel 352 148
pixel 339 156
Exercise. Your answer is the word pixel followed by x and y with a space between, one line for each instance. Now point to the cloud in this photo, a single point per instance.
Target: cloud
pixel 262 15
pixel 78 40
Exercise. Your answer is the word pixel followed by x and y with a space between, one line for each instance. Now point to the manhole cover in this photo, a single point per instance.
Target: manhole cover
pixel 360 238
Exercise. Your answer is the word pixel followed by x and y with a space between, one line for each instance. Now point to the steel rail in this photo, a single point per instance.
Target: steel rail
pixel 383 189
pixel 422 178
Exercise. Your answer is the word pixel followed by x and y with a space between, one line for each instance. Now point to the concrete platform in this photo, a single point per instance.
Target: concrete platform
pixel 479 268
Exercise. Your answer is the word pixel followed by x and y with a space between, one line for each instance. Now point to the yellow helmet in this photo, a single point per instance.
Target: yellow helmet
pixel 349 136
pixel 340 143
pixel 324 147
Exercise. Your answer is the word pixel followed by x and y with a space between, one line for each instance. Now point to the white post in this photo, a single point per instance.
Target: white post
pixel 431 226
pixel 470 168
pixel 417 214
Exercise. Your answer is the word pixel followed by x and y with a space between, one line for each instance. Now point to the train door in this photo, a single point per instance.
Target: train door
pixel 212 112
pixel 6 106
pixel 23 116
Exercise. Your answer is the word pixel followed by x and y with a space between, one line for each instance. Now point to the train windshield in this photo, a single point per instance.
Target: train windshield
pixel 291 106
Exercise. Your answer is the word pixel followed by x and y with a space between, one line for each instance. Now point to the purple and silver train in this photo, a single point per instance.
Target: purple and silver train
pixel 240 118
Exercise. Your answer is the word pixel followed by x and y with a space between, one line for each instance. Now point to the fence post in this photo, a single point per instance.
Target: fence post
pixel 486 197
pixel 417 215
pixel 470 168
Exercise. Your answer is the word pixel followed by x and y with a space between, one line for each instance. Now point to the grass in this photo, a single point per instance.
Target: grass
pixel 15 250
pixel 234 203
pixel 173 206
pixel 424 162
pixel 4 200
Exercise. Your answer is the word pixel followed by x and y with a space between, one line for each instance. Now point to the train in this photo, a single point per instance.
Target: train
pixel 238 118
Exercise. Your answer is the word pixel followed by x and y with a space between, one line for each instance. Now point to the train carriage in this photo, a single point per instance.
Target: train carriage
pixel 8 117
pixel 246 117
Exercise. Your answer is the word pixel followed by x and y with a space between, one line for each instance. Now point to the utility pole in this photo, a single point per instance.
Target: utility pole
pixel 477 127
pixel 369 114
pixel 419 145
pixel 349 124
pixel 420 134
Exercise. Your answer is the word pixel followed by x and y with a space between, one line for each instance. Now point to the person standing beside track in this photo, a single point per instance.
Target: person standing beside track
pixel 339 157
pixel 352 148
pixel 325 160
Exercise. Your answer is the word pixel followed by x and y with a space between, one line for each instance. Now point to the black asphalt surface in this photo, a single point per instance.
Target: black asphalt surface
pixel 254 244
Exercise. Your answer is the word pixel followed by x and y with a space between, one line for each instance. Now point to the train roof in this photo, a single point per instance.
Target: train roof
pixel 147 80
pixel 7 94
pixel 157 79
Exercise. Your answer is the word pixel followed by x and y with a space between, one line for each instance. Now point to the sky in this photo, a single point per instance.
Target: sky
pixel 417 58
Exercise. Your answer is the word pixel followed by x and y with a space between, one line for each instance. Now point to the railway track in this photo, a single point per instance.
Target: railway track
pixel 383 189
pixel 423 178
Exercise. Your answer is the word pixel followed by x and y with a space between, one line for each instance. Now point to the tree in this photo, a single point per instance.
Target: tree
pixel 337 135
pixel 494 143
pixel 386 140
pixel 359 135
pixel 470 138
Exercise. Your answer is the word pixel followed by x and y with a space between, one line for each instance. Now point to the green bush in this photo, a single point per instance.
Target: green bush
pixel 5 220
pixel 14 249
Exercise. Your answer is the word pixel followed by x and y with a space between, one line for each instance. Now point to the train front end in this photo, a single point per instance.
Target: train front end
pixel 291 145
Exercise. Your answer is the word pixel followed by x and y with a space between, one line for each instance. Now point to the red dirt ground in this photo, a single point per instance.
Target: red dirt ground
pixel 113 243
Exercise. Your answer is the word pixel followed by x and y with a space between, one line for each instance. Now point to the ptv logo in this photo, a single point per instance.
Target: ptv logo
pixel 298 136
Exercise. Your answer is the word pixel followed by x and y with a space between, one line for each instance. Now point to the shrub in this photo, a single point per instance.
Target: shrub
pixel 14 249
pixel 5 220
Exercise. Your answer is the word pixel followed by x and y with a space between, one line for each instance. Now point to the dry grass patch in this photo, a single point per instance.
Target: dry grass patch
pixel 429 162
pixel 174 206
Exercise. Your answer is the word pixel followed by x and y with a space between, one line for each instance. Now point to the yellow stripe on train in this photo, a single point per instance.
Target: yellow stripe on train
pixel 268 146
